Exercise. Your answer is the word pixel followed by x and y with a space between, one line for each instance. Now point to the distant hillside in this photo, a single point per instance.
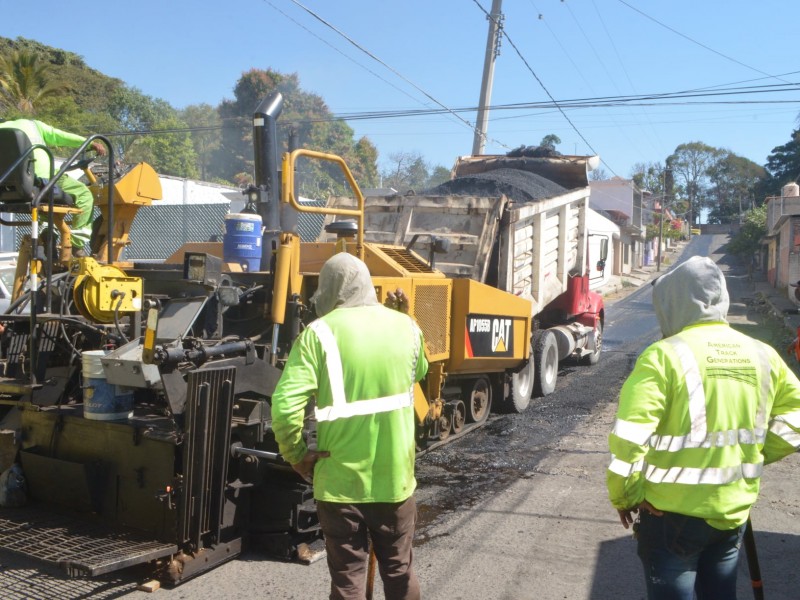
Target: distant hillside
pixel 213 143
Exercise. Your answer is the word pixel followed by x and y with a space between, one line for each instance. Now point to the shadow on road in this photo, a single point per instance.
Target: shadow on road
pixel 614 578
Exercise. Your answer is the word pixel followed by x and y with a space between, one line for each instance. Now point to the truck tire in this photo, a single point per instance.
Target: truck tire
pixel 521 388
pixel 545 357
pixel 594 357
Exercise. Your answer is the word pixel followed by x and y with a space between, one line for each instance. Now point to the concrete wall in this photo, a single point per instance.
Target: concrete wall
pixel 721 228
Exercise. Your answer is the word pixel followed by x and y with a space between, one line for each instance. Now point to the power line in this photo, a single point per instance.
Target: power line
pixel 335 49
pixel 686 37
pixel 624 70
pixel 541 84
pixel 386 66
pixel 659 99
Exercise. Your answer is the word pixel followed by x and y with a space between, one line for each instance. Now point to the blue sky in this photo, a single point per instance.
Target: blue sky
pixel 189 52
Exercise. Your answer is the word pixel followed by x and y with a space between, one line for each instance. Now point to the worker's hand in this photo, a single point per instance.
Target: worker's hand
pixel 99 147
pixel 305 468
pixel 397 300
pixel 626 516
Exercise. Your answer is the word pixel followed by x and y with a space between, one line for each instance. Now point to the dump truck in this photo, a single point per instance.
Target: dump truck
pixel 516 223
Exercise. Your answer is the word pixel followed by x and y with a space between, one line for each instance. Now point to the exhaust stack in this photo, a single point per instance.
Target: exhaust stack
pixel 265 146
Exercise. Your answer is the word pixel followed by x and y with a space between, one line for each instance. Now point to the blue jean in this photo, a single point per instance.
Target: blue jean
pixel 682 555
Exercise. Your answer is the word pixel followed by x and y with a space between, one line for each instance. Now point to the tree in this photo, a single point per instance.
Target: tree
pixel 748 240
pixel 689 164
pixel 783 165
pixel 25 81
pixel 170 153
pixel 438 176
pixel 733 181
pixel 650 177
pixel 311 120
pixel 408 171
pixel 598 174
pixel 205 140
pixel 550 141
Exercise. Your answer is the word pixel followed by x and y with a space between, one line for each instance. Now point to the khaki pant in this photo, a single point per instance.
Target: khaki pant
pixel 347 529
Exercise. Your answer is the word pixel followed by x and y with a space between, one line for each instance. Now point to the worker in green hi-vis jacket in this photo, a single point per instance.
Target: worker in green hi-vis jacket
pixel 702 412
pixel 358 364
pixel 46 135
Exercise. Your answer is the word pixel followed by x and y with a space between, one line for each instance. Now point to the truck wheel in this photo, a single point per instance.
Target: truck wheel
pixel 594 357
pixel 521 385
pixel 545 357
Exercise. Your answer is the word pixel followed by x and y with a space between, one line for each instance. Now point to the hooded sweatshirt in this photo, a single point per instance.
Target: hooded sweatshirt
pixel 703 409
pixel 359 361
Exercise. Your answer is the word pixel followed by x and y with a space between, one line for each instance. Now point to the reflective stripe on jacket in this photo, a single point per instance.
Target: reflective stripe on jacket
pixel 360 365
pixel 341 407
pixel 699 416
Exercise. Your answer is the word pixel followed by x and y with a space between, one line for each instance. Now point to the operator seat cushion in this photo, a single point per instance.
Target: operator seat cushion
pixel 19 186
pixel 22 185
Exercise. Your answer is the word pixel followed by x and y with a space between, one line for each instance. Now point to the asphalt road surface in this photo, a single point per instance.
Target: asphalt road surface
pixel 517 509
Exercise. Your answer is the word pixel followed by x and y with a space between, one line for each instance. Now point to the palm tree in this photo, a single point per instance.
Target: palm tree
pixel 26 80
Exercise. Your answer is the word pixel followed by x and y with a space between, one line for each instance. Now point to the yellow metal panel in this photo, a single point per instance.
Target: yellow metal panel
pixel 490 329
pixel 140 185
pixel 429 304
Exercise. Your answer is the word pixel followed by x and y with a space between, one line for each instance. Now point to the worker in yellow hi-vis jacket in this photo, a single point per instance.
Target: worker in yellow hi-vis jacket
pixel 46 135
pixel 702 412
pixel 359 361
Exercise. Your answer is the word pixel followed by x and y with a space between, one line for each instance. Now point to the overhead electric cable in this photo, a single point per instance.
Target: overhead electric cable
pixel 686 37
pixel 393 70
pixel 652 99
pixel 600 18
pixel 631 141
pixel 546 91
pixel 335 49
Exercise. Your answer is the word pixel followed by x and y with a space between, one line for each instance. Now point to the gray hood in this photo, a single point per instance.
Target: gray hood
pixel 693 292
pixel 344 282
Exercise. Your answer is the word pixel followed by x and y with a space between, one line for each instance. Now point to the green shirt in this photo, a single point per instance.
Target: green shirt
pixel 44 134
pixel 370 433
pixel 700 414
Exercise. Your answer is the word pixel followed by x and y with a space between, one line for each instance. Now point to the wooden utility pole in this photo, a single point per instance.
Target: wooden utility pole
pixel 492 51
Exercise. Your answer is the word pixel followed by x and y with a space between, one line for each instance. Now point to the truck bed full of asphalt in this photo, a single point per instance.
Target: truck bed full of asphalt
pixel 518 186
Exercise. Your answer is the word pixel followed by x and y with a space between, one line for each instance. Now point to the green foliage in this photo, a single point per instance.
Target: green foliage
pixel 733 181
pixel 748 240
pixel 26 80
pixel 170 152
pixel 688 165
pixel 671 231
pixel 205 141
pixel 305 114
pixel 783 165
pixel 438 176
pixel 550 141
pixel 408 171
pixel 650 177
pixel 715 179
pixel 57 87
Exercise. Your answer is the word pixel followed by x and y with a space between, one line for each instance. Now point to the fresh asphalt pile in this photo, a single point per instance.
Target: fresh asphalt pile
pixel 516 185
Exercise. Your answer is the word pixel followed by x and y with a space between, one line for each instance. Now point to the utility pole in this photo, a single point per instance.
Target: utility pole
pixel 660 236
pixel 492 51
pixel 661 224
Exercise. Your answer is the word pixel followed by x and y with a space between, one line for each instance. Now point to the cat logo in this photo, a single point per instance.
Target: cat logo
pixel 489 336
pixel 500 331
